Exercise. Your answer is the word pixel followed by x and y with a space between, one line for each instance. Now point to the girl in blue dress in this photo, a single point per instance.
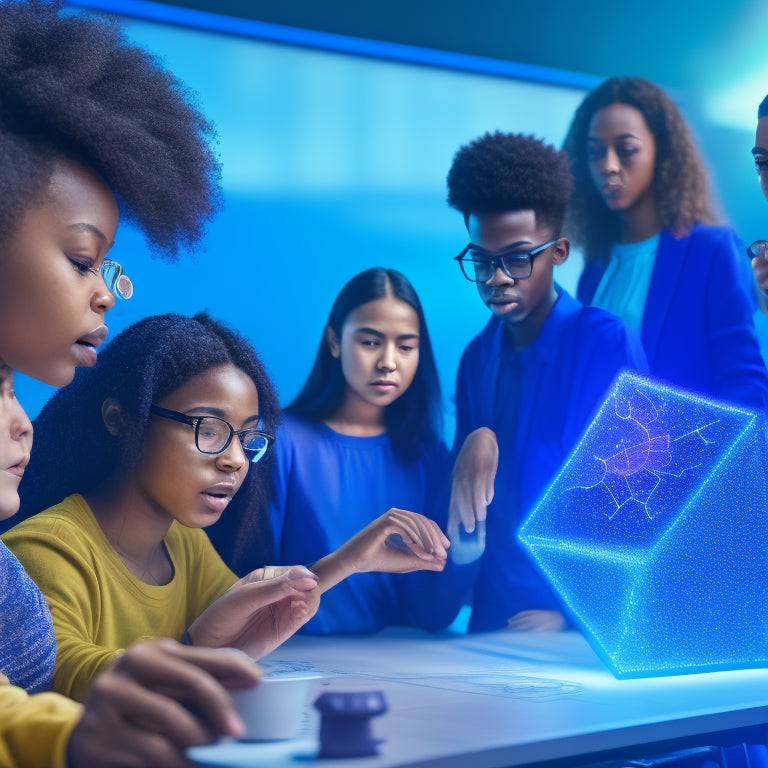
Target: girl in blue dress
pixel 362 437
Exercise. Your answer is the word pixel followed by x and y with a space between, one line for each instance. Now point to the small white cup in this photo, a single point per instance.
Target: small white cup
pixel 273 708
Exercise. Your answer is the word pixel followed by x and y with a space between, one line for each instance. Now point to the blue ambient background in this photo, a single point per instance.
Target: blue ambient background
pixel 335 162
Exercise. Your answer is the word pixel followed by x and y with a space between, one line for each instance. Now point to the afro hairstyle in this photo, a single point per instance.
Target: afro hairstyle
pixel 71 86
pixel 501 172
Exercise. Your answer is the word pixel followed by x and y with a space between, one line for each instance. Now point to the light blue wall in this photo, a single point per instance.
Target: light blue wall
pixel 333 163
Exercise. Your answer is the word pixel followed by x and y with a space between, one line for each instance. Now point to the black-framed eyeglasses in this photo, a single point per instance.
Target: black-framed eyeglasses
pixel 757 249
pixel 213 435
pixel 479 265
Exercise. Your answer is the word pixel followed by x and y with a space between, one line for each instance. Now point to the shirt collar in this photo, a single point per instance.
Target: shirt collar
pixel 544 346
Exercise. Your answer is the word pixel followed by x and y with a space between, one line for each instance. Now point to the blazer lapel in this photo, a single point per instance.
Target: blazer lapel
pixel 667 270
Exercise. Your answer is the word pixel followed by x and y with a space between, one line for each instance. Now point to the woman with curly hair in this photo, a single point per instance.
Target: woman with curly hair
pixel 642 213
pixel 91 128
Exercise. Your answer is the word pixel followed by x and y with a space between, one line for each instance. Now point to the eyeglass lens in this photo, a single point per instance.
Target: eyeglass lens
pixel 516 265
pixel 213 436
pixel 117 281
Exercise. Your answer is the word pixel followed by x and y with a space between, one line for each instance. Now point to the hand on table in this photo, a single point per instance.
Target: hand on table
pixel 157 700
pixel 537 621
pixel 473 476
pixel 260 611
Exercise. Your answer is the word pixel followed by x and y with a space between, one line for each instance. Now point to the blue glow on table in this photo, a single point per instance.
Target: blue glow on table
pixel 654 533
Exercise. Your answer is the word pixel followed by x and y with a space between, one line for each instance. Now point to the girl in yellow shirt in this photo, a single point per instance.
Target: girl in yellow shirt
pixel 147 448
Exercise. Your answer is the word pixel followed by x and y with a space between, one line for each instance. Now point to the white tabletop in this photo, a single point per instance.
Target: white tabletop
pixel 498 699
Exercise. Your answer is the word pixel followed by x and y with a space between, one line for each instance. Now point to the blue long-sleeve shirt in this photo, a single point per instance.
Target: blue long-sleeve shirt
pixel 537 400
pixel 327 487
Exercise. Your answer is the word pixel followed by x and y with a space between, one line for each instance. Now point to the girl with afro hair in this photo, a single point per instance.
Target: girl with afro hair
pixel 641 210
pixel 91 129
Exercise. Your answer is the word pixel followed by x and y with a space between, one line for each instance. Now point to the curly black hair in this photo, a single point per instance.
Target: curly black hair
pixel 501 172
pixel 72 87
pixel 73 451
pixel 680 181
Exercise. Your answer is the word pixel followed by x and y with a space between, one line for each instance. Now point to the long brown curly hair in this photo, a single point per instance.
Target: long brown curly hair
pixel 680 181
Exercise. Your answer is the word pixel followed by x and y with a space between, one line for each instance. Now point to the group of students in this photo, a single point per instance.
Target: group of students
pixel 168 495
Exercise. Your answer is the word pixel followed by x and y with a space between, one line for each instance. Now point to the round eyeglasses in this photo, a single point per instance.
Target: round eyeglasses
pixel 117 281
pixel 213 435
pixel 479 265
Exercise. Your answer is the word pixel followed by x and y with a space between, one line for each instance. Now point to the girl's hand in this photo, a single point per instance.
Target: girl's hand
pixel 473 476
pixel 260 611
pixel 537 621
pixel 396 542
pixel 157 700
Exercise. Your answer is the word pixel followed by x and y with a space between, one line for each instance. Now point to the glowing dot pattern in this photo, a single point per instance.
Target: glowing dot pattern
pixel 655 532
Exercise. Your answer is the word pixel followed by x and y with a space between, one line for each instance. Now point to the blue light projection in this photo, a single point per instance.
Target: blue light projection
pixel 655 533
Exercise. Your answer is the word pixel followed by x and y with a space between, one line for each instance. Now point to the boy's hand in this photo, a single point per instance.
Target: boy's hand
pixel 398 541
pixel 537 621
pixel 260 611
pixel 473 476
pixel 157 700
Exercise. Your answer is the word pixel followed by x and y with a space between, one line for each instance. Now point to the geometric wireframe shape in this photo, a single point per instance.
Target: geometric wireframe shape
pixel 654 533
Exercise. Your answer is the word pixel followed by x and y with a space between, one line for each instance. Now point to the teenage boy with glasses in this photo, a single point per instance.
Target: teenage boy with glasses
pixel 530 380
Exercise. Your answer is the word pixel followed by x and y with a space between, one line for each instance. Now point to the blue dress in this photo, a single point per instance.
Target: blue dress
pixel 538 401
pixel 27 642
pixel 327 487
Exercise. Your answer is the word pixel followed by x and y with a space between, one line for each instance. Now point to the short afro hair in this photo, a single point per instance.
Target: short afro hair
pixel 501 172
pixel 72 87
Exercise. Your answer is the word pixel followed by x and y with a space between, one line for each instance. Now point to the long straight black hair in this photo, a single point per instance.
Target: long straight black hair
pixel 414 420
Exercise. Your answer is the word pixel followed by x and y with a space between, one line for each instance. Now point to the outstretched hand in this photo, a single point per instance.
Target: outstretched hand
pixel 473 476
pixel 398 541
pixel 158 699
pixel 260 611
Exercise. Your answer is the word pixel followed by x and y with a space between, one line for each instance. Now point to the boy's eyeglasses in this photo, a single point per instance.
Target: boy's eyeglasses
pixel 117 281
pixel 757 249
pixel 213 435
pixel 479 266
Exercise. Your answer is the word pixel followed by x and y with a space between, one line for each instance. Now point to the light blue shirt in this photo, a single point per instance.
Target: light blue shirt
pixel 623 289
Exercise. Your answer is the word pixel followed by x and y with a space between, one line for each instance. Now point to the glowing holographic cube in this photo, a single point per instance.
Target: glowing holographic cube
pixel 655 532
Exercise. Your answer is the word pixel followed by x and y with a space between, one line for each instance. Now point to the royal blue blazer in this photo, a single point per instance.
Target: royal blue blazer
pixel 697 329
